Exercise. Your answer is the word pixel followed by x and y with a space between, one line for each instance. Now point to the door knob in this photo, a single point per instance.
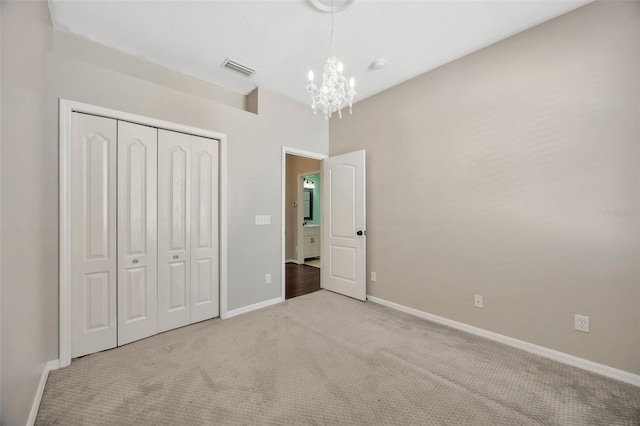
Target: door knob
pixel 360 233
pixel 135 261
pixel 175 256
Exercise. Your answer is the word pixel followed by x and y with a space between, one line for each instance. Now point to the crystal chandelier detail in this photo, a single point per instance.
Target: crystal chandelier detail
pixel 335 93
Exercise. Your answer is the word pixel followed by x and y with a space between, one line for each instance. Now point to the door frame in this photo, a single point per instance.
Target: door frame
pixel 300 153
pixel 67 108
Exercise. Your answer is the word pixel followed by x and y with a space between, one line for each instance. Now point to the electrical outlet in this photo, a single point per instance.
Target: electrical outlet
pixel 477 301
pixel 267 278
pixel 373 276
pixel 581 323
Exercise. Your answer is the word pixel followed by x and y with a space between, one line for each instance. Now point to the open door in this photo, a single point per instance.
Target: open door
pixel 344 225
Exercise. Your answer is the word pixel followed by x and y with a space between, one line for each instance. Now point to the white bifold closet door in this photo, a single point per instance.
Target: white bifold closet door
pixel 93 234
pixel 137 232
pixel 204 229
pixel 187 229
pixel 144 248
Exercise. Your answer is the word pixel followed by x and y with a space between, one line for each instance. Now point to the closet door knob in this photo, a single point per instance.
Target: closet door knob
pixel 135 261
pixel 175 256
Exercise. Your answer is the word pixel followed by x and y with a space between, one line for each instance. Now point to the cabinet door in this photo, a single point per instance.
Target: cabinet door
pixel 307 247
pixel 204 229
pixel 93 229
pixel 315 242
pixel 137 237
pixel 174 225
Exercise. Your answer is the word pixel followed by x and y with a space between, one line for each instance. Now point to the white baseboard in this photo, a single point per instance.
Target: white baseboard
pixel 253 307
pixel 49 366
pixel 574 361
pixel 292 261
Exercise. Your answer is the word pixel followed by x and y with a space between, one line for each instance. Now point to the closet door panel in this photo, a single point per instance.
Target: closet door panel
pixel 174 224
pixel 93 226
pixel 204 229
pixel 137 232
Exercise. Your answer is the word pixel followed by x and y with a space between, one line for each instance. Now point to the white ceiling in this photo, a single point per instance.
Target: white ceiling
pixel 283 40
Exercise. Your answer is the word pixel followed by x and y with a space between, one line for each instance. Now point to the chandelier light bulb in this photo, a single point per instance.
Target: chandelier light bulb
pixel 310 76
pixel 352 83
pixel 340 67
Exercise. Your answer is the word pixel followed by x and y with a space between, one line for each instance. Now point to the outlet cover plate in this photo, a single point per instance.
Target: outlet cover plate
pixel 373 276
pixel 581 323
pixel 477 301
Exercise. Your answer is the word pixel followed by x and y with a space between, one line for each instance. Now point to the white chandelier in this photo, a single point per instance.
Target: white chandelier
pixel 335 93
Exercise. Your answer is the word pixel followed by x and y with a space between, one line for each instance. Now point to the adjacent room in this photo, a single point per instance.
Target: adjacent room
pixel 320 212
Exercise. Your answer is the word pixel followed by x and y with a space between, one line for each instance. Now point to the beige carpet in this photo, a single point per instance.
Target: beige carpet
pixel 327 359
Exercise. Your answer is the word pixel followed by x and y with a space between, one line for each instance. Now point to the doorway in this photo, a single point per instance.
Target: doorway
pixel 343 233
pixel 302 222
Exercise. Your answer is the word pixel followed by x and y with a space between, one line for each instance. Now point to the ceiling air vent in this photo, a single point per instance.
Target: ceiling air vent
pixel 232 65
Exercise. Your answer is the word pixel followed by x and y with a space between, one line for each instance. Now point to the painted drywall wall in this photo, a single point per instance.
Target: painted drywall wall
pixel 28 273
pixel 0 211
pixel 41 65
pixel 296 165
pixel 494 175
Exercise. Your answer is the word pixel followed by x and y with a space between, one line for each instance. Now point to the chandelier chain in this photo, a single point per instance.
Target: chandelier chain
pixel 332 26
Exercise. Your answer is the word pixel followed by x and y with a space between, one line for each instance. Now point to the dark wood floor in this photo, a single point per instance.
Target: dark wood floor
pixel 300 279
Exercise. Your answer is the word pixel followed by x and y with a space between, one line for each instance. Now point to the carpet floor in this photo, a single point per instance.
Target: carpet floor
pixel 327 359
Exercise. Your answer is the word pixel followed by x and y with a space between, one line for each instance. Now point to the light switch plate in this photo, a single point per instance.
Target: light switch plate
pixel 263 219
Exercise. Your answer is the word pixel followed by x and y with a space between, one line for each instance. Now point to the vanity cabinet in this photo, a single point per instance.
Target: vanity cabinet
pixel 311 241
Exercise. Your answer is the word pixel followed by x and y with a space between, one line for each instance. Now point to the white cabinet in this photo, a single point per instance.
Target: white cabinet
pixel 144 248
pixel 311 241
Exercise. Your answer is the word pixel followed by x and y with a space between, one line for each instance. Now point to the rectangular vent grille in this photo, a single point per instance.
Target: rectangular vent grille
pixel 232 65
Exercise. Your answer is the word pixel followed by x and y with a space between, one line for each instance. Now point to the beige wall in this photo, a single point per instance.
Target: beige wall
pixel 295 165
pixel 28 274
pixel 0 213
pixel 41 65
pixel 491 175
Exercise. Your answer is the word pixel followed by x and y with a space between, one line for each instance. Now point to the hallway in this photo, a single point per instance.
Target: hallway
pixel 300 279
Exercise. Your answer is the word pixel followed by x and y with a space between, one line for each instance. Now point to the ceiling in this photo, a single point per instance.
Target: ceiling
pixel 283 40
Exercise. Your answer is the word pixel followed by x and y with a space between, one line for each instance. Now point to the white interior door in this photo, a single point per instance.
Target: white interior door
pixel 137 232
pixel 93 234
pixel 174 225
pixel 344 225
pixel 204 229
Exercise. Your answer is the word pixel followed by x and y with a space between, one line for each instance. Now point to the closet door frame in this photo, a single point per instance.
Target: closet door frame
pixel 66 109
